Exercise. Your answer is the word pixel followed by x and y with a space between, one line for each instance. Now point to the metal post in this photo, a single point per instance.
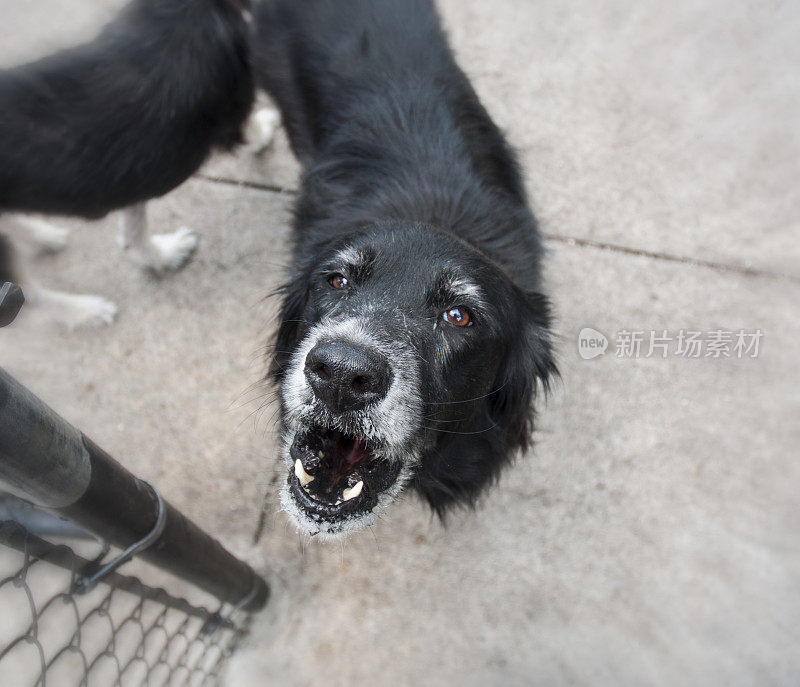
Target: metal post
pixel 45 459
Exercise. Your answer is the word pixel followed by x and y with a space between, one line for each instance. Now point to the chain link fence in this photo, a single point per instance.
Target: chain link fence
pixel 68 617
pixel 121 632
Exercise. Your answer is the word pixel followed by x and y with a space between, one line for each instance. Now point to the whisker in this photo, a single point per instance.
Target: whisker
pixel 449 431
pixel 469 400
pixel 433 419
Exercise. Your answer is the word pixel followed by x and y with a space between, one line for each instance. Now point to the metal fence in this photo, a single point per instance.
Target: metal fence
pixel 67 615
pixel 123 632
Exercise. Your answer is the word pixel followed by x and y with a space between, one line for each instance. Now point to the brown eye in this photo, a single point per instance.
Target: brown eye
pixel 458 317
pixel 339 281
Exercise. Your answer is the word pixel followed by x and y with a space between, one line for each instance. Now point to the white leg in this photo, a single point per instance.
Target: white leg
pixel 67 309
pixel 161 252
pixel 40 232
pixel 261 128
pixel 133 227
pixel 71 310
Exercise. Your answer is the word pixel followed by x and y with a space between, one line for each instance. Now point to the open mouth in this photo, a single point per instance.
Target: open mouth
pixel 336 476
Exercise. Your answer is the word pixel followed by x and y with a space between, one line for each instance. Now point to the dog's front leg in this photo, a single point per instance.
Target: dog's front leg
pixel 160 252
pixel 260 129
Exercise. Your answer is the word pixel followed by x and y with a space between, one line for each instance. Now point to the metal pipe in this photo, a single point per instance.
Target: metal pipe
pixel 47 460
pixel 42 457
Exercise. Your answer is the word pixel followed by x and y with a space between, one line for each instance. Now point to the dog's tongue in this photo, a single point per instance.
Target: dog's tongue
pixel 356 453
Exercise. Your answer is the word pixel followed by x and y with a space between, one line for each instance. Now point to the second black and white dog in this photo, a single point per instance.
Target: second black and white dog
pixel 122 119
pixel 413 334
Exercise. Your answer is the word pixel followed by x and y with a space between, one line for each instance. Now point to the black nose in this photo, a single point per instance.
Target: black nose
pixel 347 376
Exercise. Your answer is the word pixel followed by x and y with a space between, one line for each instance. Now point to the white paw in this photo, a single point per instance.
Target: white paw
pixel 74 310
pixel 168 252
pixel 261 128
pixel 92 311
pixel 48 237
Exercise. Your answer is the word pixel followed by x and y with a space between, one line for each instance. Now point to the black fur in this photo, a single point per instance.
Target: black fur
pixel 402 160
pixel 128 116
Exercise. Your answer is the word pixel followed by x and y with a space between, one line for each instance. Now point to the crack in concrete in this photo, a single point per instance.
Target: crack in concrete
pixel 558 238
pixel 669 257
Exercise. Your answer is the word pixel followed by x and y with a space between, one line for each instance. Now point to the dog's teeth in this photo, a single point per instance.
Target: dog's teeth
pixel 303 477
pixel 352 492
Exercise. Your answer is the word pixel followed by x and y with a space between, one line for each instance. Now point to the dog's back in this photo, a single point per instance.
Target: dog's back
pixel 311 55
pixel 389 126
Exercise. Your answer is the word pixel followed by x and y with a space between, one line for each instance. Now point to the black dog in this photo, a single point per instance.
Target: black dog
pixel 413 334
pixel 125 118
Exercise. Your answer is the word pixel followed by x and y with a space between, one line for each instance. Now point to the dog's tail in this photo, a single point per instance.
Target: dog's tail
pixel 128 116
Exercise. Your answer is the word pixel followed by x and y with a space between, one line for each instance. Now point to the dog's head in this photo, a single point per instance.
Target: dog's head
pixel 403 354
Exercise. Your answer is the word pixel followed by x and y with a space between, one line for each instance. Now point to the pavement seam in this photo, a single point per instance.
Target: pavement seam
pixel 258 186
pixel 669 257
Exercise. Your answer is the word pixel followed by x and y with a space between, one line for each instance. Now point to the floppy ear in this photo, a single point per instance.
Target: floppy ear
pixel 528 366
pixel 458 469
pixel 294 300
pixel 465 462
pixel 294 295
